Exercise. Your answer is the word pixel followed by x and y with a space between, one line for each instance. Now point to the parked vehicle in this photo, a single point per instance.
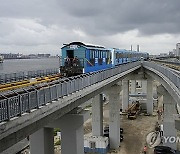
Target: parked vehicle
pixel 106 133
pixel 133 110
pixel 106 129
pixel 164 150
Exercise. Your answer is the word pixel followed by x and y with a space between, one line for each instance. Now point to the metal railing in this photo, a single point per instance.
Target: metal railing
pixel 28 100
pixel 6 78
pixel 175 78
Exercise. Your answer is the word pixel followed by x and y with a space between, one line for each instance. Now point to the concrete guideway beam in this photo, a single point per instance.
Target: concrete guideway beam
pixel 167 84
pixel 19 128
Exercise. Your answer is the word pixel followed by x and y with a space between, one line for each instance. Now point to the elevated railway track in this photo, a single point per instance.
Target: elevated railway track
pixel 172 65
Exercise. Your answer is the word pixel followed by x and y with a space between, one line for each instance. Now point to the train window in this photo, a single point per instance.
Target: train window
pixel 108 54
pixel 121 55
pixel 94 54
pixel 126 55
pixel 91 54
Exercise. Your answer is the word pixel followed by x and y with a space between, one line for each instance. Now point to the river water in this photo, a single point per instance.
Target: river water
pixel 17 65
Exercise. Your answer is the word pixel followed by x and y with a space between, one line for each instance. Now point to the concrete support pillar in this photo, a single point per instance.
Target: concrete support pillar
pixel 114 116
pixel 125 94
pixel 150 96
pixel 168 121
pixel 160 100
pixel 72 134
pixel 133 86
pixel 97 115
pixel 42 141
pixel 144 86
pixel 155 95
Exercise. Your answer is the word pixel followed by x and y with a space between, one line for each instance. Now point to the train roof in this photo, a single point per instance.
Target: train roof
pixel 80 44
pixel 129 51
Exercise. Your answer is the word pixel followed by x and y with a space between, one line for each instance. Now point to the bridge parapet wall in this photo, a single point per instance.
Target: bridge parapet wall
pixel 175 78
pixel 25 102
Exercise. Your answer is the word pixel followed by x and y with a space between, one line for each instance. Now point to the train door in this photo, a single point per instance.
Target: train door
pixel 70 54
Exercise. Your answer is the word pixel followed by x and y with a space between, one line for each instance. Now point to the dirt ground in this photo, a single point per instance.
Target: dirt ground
pixel 135 132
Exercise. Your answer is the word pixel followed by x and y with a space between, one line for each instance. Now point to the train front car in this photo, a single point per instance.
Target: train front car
pixel 78 58
pixel 72 59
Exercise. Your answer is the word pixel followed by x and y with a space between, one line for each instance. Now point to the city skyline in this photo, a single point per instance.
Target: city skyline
pixel 43 26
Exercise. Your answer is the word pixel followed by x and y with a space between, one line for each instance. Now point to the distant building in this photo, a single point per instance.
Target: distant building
pixel 178 49
pixel 171 53
pixel 163 54
pixel 10 56
pixel 174 52
pixel 44 55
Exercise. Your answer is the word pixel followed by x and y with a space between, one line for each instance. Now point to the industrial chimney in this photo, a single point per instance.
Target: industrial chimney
pixel 137 48
pixel 131 47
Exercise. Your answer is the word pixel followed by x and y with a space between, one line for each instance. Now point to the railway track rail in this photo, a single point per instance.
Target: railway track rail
pixel 173 65
pixel 28 82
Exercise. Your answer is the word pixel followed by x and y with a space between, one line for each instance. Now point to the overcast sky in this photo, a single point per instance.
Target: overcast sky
pixel 42 26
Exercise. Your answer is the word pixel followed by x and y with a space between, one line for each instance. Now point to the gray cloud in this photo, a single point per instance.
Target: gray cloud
pixel 43 22
pixel 115 16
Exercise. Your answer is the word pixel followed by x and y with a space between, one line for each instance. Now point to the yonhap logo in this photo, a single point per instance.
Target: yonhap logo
pixel 171 139
pixel 155 138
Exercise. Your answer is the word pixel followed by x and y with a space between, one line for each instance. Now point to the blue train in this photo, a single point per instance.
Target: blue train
pixel 78 58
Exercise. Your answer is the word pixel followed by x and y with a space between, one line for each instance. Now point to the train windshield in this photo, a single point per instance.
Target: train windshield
pixel 70 54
